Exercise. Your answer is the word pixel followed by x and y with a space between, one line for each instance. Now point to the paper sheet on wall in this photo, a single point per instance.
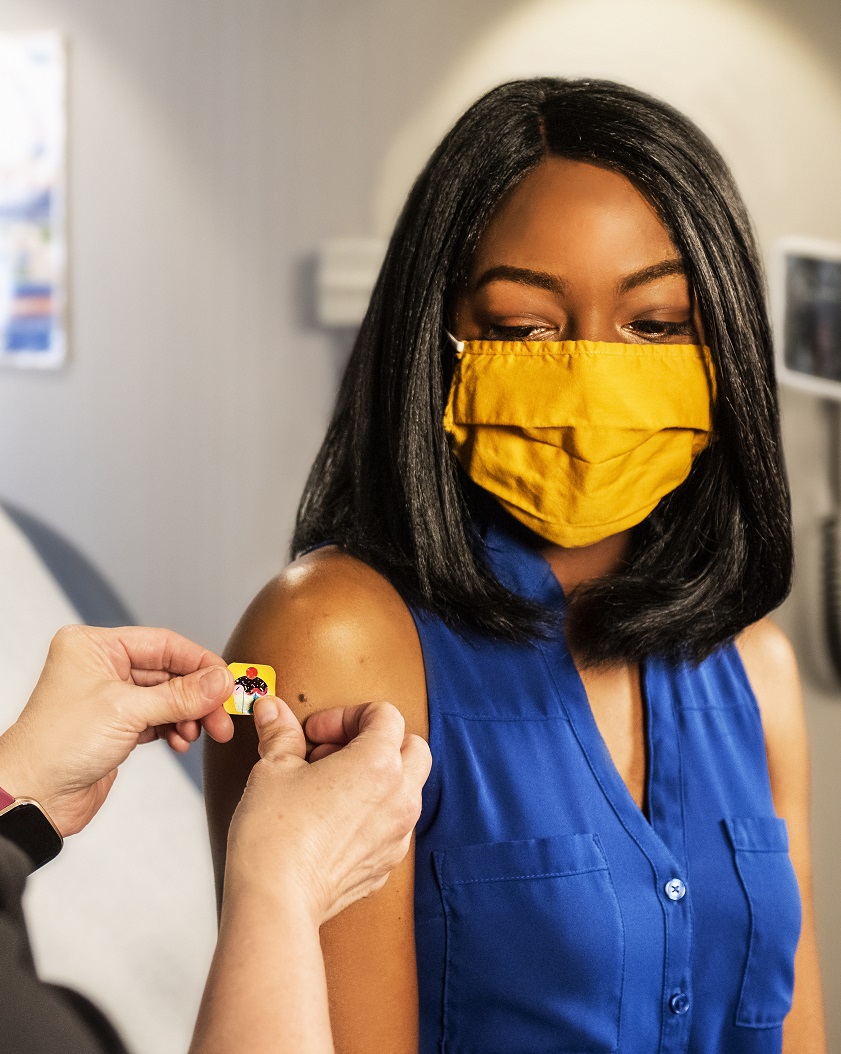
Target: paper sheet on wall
pixel 32 199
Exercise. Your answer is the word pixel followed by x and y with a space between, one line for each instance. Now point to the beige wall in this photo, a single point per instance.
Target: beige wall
pixel 214 145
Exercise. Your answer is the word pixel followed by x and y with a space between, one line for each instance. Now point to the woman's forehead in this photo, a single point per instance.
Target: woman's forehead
pixel 567 217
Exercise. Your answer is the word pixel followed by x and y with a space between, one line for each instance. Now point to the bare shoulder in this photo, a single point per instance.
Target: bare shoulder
pixel 771 666
pixel 337 633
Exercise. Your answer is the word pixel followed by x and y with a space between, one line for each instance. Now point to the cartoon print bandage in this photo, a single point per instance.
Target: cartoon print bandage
pixel 251 680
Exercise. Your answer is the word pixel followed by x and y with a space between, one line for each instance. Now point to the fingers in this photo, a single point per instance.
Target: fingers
pixel 182 735
pixel 342 724
pixel 149 678
pixel 381 723
pixel 417 759
pixel 327 726
pixel 219 726
pixel 162 649
pixel 323 750
pixel 186 699
pixel 175 740
pixel 189 730
pixel 280 733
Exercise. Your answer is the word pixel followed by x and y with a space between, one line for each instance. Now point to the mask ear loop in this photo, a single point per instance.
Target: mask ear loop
pixel 457 344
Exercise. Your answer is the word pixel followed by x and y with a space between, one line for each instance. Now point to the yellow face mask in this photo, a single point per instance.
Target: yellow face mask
pixel 579 439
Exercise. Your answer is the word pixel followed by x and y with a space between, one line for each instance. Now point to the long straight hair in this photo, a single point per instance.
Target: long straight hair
pixel 716 553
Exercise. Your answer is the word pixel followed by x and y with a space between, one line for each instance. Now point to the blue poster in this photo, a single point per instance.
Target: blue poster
pixel 32 200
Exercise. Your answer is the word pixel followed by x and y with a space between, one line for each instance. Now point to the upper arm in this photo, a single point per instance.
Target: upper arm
pixel 771 667
pixel 337 634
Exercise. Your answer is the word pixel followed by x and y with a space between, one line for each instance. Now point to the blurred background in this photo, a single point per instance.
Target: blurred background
pixel 217 151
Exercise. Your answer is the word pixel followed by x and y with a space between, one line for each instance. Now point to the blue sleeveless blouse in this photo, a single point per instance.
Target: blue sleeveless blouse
pixel 551 914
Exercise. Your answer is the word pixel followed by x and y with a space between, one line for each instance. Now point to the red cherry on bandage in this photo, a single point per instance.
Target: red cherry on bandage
pixel 251 671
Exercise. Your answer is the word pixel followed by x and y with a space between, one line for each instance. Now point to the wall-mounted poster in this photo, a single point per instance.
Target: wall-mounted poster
pixel 32 199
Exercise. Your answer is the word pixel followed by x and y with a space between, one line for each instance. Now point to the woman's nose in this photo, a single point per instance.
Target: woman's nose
pixel 591 323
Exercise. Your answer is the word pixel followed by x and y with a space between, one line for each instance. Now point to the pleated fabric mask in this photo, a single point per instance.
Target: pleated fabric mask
pixel 579 439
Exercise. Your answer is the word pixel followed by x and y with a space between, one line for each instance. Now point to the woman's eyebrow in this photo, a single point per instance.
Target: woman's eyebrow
pixel 523 276
pixel 555 284
pixel 650 274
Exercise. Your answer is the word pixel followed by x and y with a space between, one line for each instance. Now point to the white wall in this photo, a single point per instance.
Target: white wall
pixel 214 145
pixel 173 445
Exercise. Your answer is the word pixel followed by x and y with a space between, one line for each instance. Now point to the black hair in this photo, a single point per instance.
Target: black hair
pixel 716 553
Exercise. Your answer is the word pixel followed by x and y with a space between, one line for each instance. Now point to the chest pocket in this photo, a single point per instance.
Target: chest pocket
pixel 760 845
pixel 535 947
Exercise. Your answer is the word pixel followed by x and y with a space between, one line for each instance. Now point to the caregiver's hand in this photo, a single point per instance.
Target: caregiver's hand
pixel 330 831
pixel 103 691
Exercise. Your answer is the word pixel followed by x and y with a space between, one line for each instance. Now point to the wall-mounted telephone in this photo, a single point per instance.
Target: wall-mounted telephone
pixel 806 294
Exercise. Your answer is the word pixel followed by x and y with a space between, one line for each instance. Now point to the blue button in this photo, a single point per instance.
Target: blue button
pixel 679 1003
pixel 675 889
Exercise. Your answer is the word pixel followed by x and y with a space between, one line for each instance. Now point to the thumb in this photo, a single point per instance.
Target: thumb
pixel 189 698
pixel 279 730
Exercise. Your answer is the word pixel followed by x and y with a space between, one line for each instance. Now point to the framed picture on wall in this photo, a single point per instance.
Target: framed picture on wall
pixel 33 248
pixel 806 293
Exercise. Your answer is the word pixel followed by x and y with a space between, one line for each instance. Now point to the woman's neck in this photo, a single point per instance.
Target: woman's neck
pixel 572 566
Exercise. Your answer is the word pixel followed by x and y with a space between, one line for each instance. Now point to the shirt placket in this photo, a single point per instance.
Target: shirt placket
pixel 670 860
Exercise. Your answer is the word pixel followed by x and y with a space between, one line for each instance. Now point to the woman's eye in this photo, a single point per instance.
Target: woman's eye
pixel 531 332
pixel 654 327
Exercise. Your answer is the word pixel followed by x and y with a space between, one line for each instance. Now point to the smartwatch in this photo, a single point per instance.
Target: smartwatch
pixel 25 823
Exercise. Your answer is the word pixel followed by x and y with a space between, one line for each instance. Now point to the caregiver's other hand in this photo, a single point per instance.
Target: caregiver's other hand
pixel 327 832
pixel 101 692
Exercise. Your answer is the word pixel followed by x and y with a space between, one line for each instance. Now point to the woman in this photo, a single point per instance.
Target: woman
pixel 553 516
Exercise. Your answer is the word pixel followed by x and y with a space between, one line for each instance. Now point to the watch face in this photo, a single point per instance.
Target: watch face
pixel 26 825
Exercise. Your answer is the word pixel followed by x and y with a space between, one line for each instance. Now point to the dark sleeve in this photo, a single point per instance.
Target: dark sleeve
pixel 38 1018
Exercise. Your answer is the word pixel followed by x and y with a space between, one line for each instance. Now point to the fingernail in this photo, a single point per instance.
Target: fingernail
pixel 265 711
pixel 215 681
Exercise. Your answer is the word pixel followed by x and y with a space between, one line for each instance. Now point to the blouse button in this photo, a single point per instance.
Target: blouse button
pixel 675 889
pixel 679 1003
